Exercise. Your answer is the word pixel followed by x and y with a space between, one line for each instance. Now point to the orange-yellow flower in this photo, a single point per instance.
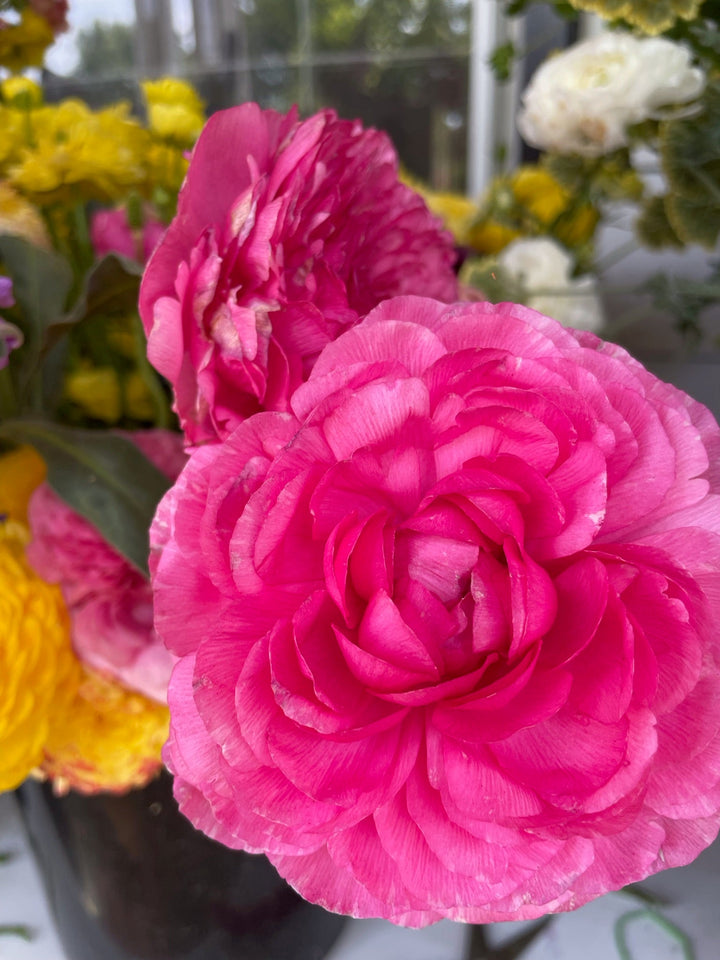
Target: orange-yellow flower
pixel 20 218
pixel 108 739
pixel 38 669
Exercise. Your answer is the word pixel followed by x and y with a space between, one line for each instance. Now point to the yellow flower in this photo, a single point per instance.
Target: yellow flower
pixel 22 93
pixel 173 121
pixel 23 44
pixel 21 471
pixel 171 90
pixel 166 166
pixel 80 155
pixel 139 402
pixel 39 672
pixel 530 202
pixel 107 740
pixel 20 218
pixel 175 111
pixel 14 135
pixel 650 16
pixel 97 392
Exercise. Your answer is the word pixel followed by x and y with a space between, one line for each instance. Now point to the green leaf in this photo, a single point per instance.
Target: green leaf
pixel 653 227
pixel 502 60
pixel 41 282
pixel 110 287
pixel 690 152
pixel 101 475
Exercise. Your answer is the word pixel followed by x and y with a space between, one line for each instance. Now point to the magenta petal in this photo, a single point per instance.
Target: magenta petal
pixel 564 754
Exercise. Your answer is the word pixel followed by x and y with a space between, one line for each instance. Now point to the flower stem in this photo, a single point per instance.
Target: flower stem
pixel 16 930
pixel 478 947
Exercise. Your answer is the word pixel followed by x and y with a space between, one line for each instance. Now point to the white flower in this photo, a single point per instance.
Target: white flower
pixel 543 270
pixel 583 100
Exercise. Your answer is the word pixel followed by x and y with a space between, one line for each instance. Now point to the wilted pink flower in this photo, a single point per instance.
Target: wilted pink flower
pixel 54 11
pixel 449 644
pixel 110 232
pixel 287 231
pixel 109 601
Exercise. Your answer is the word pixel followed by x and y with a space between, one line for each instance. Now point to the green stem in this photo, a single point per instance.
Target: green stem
pixel 82 237
pixel 674 932
pixel 16 930
pixel 8 405
pixel 478 948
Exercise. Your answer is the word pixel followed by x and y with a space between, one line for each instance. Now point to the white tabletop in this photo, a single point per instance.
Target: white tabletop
pixel 587 934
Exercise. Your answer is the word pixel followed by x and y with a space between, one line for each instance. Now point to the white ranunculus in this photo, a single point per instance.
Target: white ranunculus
pixel 543 270
pixel 583 100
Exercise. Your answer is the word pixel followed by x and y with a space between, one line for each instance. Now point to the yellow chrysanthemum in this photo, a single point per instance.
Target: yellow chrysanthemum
pixel 530 202
pixel 650 16
pixel 166 166
pixel 97 392
pixel 175 111
pixel 24 44
pixel 39 672
pixel 171 90
pixel 80 155
pixel 14 136
pixel 20 218
pixel 138 401
pixel 174 122
pixel 22 93
pixel 107 740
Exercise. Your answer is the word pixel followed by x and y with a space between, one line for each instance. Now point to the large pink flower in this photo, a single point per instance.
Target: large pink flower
pixel 287 231
pixel 109 601
pixel 448 639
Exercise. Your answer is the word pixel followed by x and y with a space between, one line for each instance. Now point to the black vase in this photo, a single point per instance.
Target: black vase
pixel 129 878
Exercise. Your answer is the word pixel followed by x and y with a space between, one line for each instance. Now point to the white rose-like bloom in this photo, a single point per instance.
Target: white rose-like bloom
pixel 543 269
pixel 583 100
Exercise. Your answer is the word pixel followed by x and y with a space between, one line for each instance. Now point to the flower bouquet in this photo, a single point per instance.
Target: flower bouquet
pixel 434 580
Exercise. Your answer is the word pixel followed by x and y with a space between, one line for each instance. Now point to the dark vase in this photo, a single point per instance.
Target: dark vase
pixel 129 878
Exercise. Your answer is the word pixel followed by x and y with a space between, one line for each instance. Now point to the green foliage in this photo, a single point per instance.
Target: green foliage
pixel 596 180
pixel 106 48
pixel 690 153
pixel 386 25
pixel 101 475
pixel 653 227
pixel 502 61
pixel 41 285
pixel 111 286
pixel 493 283
pixel 685 299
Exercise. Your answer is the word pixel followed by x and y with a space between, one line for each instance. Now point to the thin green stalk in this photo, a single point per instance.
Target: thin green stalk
pixel 16 930
pixel 674 932
pixel 8 406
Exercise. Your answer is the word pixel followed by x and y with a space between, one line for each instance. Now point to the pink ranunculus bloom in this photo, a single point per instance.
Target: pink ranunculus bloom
pixel 287 232
pixel 110 232
pixel 109 601
pixel 448 636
